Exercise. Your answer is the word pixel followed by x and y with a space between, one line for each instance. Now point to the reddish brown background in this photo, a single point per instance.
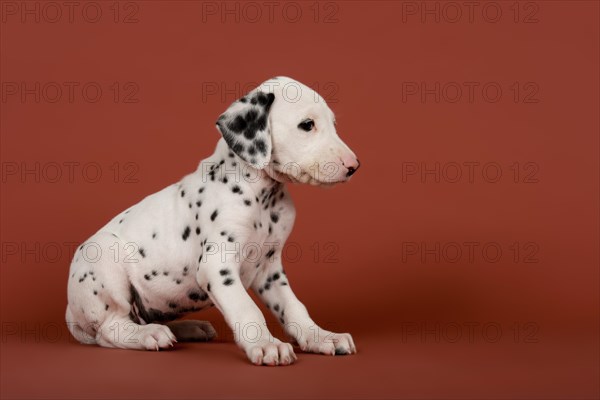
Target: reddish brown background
pixel 360 61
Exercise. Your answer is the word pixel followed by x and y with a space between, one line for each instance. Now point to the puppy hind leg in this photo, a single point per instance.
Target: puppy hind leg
pixel 76 330
pixel 123 333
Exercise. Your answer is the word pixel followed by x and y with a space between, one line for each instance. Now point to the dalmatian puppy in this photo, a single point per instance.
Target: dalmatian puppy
pixel 205 240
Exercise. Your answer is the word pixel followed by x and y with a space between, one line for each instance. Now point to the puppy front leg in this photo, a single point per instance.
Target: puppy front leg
pixel 225 289
pixel 274 289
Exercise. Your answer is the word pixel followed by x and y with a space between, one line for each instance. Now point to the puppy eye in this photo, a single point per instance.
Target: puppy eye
pixel 307 125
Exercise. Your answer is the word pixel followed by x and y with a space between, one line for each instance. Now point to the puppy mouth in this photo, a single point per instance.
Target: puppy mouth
pixel 303 178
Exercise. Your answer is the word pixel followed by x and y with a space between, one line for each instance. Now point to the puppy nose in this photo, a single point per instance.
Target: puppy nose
pixel 352 168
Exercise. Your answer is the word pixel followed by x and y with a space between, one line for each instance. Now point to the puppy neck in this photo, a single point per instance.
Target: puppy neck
pixel 226 166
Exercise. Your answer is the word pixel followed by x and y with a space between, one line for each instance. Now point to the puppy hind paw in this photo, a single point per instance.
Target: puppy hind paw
pixel 192 330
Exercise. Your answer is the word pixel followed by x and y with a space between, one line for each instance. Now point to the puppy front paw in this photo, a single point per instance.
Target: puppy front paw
pixel 328 343
pixel 272 353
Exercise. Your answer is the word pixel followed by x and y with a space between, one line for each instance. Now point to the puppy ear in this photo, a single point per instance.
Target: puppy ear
pixel 246 129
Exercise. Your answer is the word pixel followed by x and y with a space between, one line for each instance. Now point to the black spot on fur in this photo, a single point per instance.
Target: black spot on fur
pixel 208 287
pixel 270 253
pixel 270 100
pixel 142 252
pixel 251 115
pixel 236 189
pixel 224 272
pixel 213 216
pixel 261 123
pixel 238 124
pixel 154 236
pixel 186 233
pixel 276 307
pixel 262 99
pixel 247 202
pixel 105 307
pixel 197 230
pixel 276 276
pixel 195 296
pixel 250 134
pixel 228 282
pixel 261 146
pixel 182 193
pixel 198 203
pixel 238 148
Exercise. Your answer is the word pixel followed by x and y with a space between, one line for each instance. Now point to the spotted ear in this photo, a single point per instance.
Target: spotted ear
pixel 245 127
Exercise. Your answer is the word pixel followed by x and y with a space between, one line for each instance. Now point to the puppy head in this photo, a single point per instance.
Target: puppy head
pixel 287 129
